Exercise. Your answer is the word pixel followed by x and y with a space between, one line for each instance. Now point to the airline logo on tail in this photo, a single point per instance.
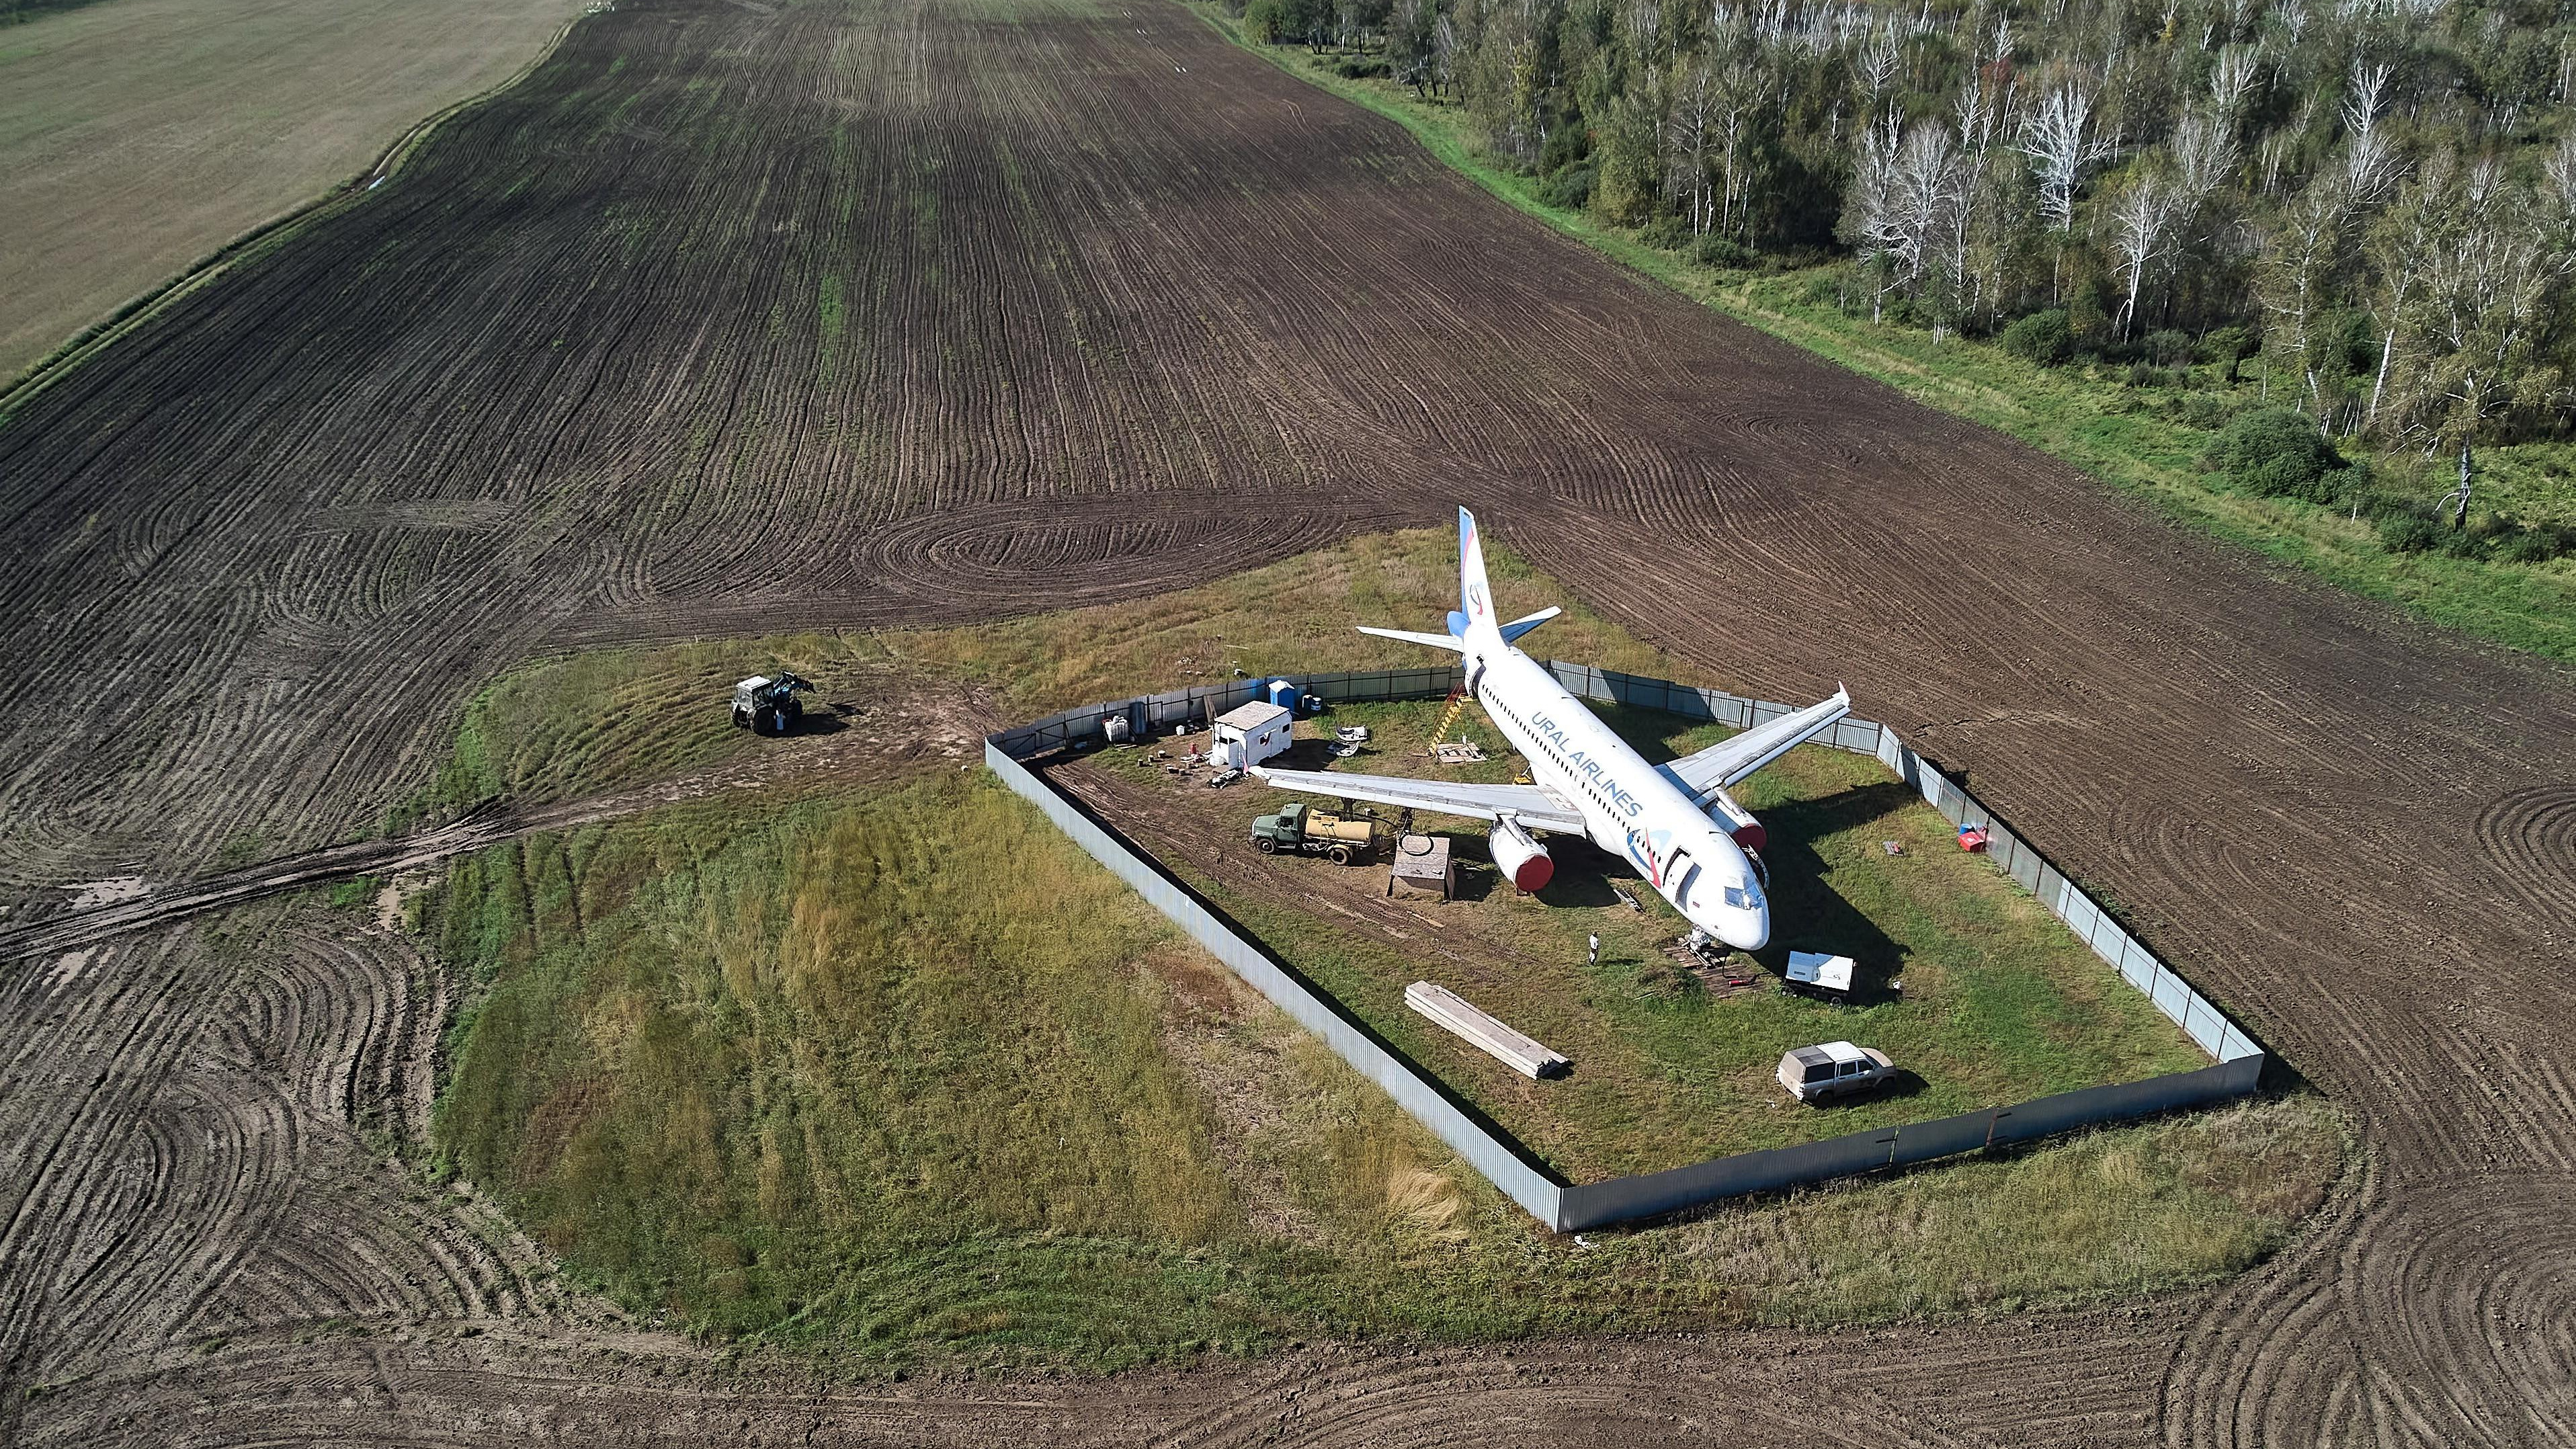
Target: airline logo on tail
pixel 1471 569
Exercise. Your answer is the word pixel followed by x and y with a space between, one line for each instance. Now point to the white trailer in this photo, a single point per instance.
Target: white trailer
pixel 1248 734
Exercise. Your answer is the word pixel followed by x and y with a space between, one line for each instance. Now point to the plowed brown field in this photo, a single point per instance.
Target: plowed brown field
pixel 733 318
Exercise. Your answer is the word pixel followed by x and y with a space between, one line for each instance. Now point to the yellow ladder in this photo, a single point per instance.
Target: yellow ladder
pixel 1448 717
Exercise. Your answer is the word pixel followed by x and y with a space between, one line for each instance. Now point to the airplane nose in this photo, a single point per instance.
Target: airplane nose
pixel 1743 930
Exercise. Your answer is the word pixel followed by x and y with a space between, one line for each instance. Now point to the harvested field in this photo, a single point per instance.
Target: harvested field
pixel 140 136
pixel 911 312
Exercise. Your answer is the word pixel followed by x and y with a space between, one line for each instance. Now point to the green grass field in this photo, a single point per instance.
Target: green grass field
pixel 904 1077
pixel 1999 1002
pixel 140 137
pixel 2136 439
pixel 582 723
pixel 894 1074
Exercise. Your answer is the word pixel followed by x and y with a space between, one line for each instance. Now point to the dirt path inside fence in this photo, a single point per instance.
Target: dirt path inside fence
pixel 737 318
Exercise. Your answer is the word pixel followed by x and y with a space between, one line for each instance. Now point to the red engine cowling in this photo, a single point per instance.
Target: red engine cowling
pixel 1522 860
pixel 1739 822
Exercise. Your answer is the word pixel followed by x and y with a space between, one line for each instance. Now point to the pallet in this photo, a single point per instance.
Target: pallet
pixel 1450 1011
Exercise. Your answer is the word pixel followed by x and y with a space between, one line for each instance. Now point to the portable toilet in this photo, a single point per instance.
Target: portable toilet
pixel 1282 694
pixel 1251 733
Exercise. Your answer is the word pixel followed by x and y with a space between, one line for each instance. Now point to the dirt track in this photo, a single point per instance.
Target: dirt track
pixel 1120 308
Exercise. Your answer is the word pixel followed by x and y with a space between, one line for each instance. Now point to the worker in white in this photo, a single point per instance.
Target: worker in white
pixel 1596 950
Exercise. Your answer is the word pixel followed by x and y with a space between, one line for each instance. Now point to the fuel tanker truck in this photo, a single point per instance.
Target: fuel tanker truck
pixel 1340 839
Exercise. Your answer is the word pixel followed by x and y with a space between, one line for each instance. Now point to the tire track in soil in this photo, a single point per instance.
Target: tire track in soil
pixel 1122 309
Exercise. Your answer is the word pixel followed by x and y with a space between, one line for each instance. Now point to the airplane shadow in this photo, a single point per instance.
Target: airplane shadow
pixel 1807 914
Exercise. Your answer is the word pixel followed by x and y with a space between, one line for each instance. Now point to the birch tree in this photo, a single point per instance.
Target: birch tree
pixel 1913 191
pixel 2231 82
pixel 1743 88
pixel 2057 137
pixel 2487 280
pixel 2398 245
pixel 2370 158
pixel 2296 279
pixel 2143 223
pixel 1691 131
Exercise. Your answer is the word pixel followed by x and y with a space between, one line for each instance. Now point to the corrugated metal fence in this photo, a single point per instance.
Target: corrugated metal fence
pixel 2238 1065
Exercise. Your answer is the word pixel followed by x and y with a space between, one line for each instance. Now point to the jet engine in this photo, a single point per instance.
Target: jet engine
pixel 1520 857
pixel 1738 821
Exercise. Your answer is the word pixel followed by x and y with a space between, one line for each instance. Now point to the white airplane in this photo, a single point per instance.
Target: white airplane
pixel 1589 782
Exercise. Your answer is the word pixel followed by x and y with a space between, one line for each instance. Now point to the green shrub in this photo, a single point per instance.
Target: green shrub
pixel 2531 546
pixel 1564 146
pixel 1569 189
pixel 2409 533
pixel 1718 251
pixel 1263 19
pixel 2088 316
pixel 2279 454
pixel 2227 347
pixel 1361 68
pixel 2475 541
pixel 2041 337
pixel 2204 410
pixel 1666 233
pixel 2167 348
pixel 2381 507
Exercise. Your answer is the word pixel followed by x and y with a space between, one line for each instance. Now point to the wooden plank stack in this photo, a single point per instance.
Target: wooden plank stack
pixel 1446 1008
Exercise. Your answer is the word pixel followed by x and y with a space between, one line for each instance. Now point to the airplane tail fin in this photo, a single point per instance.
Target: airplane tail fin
pixel 1475 597
pixel 1475 602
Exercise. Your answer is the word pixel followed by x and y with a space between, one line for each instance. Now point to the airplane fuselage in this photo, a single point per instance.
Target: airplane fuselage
pixel 1630 808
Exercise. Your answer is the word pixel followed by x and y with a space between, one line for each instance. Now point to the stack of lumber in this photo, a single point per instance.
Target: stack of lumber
pixel 1512 1049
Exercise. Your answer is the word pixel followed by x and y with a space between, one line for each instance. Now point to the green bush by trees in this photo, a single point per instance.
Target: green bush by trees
pixel 2041 337
pixel 2278 453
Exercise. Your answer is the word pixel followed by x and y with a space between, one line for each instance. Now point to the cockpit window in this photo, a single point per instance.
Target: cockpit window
pixel 1745 897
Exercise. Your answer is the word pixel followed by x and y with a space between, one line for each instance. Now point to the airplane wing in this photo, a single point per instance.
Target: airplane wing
pixel 1536 808
pixel 1702 774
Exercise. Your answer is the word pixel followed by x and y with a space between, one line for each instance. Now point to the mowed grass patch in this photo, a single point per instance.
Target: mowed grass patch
pixel 742 1064
pixel 903 1078
pixel 1999 1002
pixel 1298 616
pixel 577 724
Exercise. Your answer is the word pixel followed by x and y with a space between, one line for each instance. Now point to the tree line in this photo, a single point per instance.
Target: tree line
pixel 2377 198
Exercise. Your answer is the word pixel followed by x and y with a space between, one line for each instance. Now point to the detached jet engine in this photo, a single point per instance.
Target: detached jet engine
pixel 1523 861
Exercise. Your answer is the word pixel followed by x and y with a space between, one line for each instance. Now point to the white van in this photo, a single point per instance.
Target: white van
pixel 1812 1073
